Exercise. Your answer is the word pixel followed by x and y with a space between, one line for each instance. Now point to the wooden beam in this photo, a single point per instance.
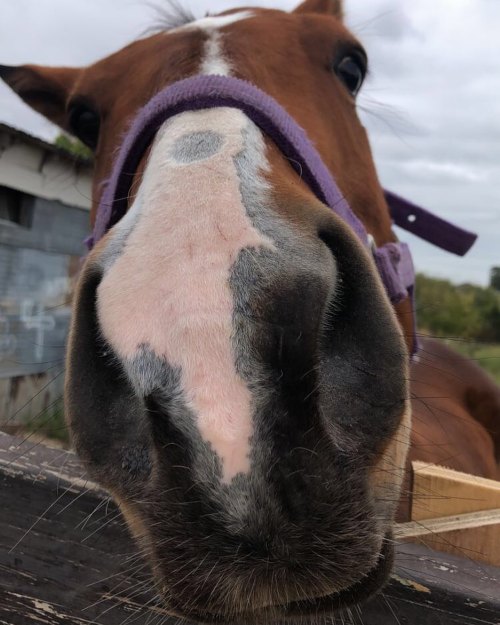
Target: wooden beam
pixel 440 492
pixel 454 512
pixel 473 535
pixel 472 520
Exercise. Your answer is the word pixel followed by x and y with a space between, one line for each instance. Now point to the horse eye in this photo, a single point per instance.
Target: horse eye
pixel 351 70
pixel 84 123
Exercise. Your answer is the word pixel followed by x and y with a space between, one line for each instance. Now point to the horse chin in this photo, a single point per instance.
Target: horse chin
pixel 327 605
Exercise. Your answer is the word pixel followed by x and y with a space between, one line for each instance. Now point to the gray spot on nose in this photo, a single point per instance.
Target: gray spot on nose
pixel 197 146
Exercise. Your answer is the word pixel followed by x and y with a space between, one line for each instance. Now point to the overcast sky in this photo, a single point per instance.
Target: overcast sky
pixel 431 103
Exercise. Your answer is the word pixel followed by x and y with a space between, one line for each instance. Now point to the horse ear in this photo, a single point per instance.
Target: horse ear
pixel 45 89
pixel 328 7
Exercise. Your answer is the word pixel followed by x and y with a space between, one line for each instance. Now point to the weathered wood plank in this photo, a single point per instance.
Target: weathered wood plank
pixel 474 534
pixel 455 512
pixel 65 556
pixel 440 492
pixel 77 564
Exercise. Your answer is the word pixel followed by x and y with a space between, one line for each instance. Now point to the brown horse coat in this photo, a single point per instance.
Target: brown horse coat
pixel 455 412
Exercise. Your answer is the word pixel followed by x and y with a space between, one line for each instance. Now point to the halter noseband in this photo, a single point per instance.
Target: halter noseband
pixel 393 260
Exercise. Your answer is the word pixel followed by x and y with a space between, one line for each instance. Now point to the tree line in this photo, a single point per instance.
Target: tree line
pixel 468 311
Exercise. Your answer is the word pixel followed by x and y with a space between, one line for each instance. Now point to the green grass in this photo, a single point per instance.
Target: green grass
pixel 49 423
pixel 486 355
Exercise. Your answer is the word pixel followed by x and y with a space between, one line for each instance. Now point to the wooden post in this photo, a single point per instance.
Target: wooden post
pixel 454 512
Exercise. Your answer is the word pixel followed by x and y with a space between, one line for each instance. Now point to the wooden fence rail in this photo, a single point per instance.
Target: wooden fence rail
pixel 67 559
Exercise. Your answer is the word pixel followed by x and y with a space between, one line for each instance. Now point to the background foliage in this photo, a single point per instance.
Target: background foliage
pixel 467 316
pixel 73 146
pixel 465 311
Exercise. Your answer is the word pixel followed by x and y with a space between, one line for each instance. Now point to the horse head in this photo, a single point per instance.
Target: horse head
pixel 237 375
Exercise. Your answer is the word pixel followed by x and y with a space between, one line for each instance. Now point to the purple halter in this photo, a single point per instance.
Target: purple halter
pixel 393 260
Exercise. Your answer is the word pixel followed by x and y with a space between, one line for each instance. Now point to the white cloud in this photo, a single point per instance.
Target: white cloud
pixel 453 171
pixel 431 103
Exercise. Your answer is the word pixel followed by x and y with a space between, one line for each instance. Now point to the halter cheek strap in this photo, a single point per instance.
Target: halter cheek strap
pixel 393 260
pixel 428 226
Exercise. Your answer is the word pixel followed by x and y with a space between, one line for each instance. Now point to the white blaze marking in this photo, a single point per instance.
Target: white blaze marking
pixel 169 288
pixel 213 61
pixel 215 22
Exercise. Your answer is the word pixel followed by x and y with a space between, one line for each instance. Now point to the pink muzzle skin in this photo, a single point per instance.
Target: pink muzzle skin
pixel 393 260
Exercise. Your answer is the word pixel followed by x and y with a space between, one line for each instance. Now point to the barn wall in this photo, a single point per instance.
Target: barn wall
pixel 40 250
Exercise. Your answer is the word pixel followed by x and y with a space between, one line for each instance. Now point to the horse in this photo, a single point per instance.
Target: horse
pixel 455 412
pixel 237 376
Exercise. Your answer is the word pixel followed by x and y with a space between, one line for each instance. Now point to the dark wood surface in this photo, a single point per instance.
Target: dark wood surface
pixel 66 558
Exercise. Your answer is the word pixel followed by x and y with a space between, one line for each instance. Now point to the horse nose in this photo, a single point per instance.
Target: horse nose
pixel 239 413
pixel 201 329
pixel 242 412
pixel 201 289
